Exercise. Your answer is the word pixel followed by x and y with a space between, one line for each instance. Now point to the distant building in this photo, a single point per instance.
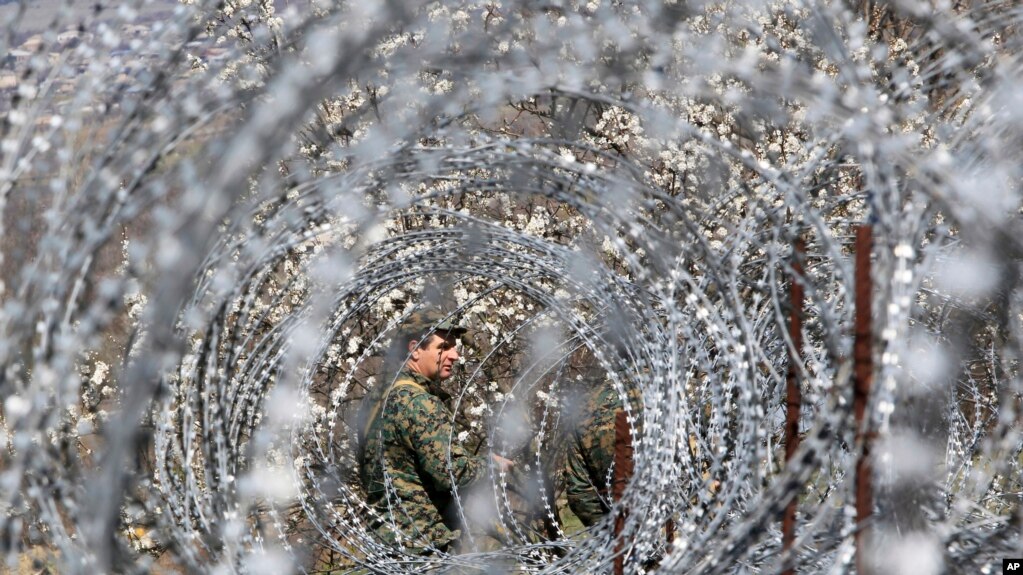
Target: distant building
pixel 33 43
pixel 17 57
pixel 134 31
pixel 71 38
pixel 215 54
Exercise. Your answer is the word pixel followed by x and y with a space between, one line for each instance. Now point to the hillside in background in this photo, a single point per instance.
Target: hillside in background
pixel 41 14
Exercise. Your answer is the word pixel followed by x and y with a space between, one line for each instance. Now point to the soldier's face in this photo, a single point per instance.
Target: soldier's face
pixel 436 359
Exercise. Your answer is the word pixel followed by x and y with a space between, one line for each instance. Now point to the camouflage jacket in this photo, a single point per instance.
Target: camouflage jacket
pixel 404 464
pixel 588 469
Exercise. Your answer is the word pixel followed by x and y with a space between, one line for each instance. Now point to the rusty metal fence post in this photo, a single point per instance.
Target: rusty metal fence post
pixel 794 399
pixel 863 378
pixel 623 472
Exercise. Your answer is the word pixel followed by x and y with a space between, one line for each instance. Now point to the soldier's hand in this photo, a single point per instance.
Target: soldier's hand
pixel 503 464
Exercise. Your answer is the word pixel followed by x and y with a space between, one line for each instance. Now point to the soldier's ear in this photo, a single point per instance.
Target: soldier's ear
pixel 413 348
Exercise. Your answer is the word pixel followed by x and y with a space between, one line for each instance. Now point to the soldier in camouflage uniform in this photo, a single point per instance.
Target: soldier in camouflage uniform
pixel 591 453
pixel 405 443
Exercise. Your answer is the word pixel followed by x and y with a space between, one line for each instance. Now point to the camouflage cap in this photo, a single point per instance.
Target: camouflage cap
pixel 423 322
